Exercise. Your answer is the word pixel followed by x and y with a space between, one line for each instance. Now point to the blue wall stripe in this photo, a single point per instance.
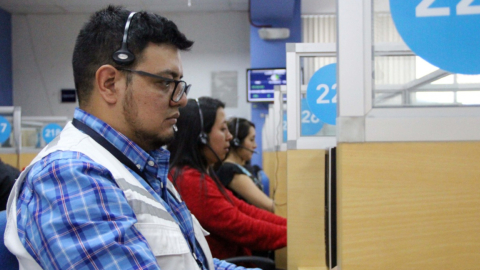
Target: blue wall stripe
pixel 263 11
pixel 270 54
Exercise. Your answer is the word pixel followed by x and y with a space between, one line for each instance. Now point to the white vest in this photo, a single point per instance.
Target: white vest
pixel 154 222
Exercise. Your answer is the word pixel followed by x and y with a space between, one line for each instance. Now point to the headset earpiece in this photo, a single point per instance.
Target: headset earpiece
pixel 202 137
pixel 124 56
pixel 236 142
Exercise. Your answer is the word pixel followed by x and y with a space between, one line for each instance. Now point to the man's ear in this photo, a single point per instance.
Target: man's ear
pixel 105 78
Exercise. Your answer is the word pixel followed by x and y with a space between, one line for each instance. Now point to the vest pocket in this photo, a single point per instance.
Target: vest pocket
pixel 163 239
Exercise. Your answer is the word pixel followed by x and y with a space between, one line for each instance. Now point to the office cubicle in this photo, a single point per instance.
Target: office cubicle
pixel 22 137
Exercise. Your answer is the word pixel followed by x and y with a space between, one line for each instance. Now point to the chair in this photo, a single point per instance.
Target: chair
pixel 260 262
pixel 8 260
pixel 265 181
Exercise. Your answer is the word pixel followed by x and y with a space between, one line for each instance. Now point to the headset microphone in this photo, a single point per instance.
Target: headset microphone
pixel 248 149
pixel 236 141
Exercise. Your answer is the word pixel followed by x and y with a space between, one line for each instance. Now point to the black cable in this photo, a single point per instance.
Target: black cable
pixel 211 149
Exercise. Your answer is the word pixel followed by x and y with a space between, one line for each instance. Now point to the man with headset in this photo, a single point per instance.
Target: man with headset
pixel 98 196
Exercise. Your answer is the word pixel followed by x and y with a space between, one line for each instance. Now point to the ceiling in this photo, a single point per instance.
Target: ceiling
pixel 90 6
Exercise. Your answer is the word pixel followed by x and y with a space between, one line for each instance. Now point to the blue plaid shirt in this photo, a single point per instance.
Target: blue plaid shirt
pixel 72 215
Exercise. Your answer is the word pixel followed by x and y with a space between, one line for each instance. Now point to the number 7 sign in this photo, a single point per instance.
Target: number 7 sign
pixel 5 129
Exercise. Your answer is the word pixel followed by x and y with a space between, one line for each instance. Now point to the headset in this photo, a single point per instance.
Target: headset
pixel 202 137
pixel 236 141
pixel 124 56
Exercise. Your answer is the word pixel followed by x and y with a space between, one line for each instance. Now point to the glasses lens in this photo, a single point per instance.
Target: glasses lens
pixel 179 90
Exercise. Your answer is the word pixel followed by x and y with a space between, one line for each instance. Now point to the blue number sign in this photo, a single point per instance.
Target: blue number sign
pixel 51 131
pixel 322 94
pixel 311 125
pixel 445 33
pixel 5 129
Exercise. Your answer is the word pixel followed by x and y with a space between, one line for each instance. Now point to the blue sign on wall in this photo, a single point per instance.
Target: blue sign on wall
pixel 5 129
pixel 311 125
pixel 446 33
pixel 322 94
pixel 51 131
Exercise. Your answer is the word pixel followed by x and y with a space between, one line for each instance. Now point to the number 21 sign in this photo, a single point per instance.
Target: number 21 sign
pixel 445 33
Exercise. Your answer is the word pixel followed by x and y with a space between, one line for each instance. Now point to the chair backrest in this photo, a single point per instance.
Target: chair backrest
pixel 8 260
pixel 265 181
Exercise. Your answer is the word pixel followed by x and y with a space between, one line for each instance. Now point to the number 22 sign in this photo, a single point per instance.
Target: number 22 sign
pixel 322 94
pixel 445 33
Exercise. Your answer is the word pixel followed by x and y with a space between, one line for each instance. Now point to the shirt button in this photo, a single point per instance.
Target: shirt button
pixel 139 166
pixel 151 163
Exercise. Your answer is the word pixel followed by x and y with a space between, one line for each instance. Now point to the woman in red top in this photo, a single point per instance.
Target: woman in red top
pixel 236 228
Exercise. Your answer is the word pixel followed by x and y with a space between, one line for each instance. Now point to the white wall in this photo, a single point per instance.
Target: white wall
pixel 43 46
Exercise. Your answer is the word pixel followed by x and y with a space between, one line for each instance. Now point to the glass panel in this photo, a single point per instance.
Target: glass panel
pixel 402 79
pixel 312 124
pixel 38 131
pixel 32 134
pixel 7 140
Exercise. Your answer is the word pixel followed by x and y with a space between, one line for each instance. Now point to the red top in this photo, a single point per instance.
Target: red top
pixel 235 229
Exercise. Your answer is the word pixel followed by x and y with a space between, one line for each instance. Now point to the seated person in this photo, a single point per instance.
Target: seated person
pixel 234 175
pixel 98 197
pixel 236 227
pixel 8 174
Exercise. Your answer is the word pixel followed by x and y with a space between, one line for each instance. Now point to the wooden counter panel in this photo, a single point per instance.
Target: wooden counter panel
pixel 409 205
pixel 275 166
pixel 306 208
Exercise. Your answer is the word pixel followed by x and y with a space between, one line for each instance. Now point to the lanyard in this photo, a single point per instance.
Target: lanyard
pixel 110 148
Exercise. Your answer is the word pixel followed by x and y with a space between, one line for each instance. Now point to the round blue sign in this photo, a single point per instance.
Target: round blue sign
pixel 446 33
pixel 5 129
pixel 311 125
pixel 322 94
pixel 51 131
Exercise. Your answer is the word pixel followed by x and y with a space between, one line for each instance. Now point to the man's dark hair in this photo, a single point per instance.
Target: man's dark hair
pixel 102 35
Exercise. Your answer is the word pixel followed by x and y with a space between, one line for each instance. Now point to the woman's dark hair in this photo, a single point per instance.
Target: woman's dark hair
pixel 186 148
pixel 102 35
pixel 241 132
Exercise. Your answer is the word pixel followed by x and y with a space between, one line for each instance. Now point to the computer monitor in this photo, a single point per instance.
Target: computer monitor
pixel 261 83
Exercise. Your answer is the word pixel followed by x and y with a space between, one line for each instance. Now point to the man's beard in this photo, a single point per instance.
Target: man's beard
pixel 151 141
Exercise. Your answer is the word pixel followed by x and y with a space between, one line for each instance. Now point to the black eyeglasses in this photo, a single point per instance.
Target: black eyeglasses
pixel 177 87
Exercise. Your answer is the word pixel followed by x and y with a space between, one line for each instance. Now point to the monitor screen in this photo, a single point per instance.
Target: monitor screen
pixel 261 83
